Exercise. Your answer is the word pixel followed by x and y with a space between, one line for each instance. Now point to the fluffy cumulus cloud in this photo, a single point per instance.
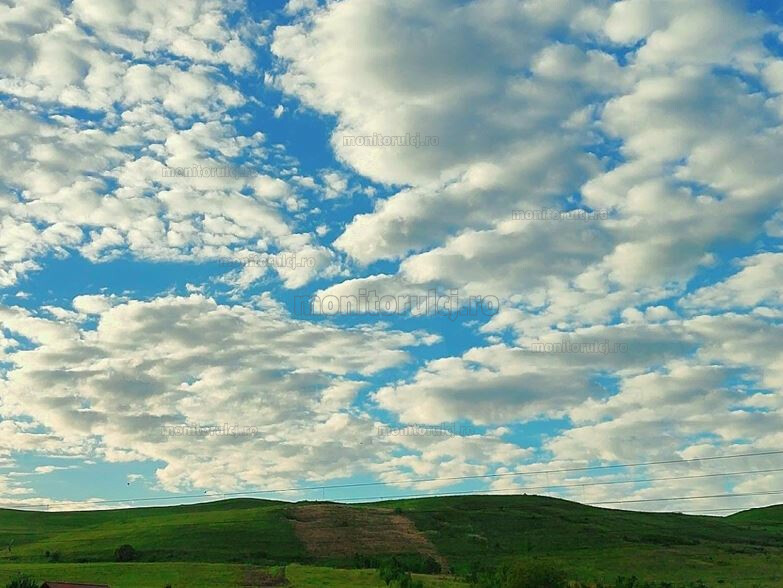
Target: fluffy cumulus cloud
pixel 502 138
pixel 158 169
pixel 521 126
pixel 607 172
pixel 198 386
pixel 136 385
pixel 657 122
pixel 758 283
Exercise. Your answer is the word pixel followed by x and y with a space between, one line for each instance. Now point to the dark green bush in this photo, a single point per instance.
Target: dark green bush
pixel 534 575
pixel 391 570
pixel 407 581
pixel 523 574
pixel 394 574
pixel 364 561
pixel 430 566
pixel 125 553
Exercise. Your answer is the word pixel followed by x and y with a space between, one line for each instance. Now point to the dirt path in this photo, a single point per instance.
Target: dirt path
pixel 336 530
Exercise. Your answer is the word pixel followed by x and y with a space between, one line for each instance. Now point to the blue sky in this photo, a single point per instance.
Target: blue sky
pixel 137 300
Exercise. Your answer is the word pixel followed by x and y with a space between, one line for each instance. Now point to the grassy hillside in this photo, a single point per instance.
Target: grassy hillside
pixel 770 517
pixel 601 544
pixel 235 531
pixel 483 527
pixel 462 533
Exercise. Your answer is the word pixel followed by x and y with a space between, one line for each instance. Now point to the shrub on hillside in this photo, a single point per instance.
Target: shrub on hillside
pixel 364 561
pixel 481 575
pixel 407 581
pixel 430 565
pixel 125 552
pixel 22 582
pixel 523 574
pixel 534 575
pixel 416 563
pixel 393 574
pixel 391 570
pixel 53 556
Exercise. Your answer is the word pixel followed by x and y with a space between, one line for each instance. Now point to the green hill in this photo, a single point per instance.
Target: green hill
pixel 601 544
pixel 460 534
pixel 768 516
pixel 242 530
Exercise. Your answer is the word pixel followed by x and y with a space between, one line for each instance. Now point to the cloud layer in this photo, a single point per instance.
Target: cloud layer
pixel 643 324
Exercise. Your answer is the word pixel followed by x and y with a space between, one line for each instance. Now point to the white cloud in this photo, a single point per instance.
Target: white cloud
pixel 696 32
pixel 458 83
pixel 172 361
pixel 512 140
pixel 760 281
pixel 664 115
pixel 108 184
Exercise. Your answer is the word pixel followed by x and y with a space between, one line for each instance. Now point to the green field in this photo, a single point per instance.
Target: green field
pixel 130 575
pixel 225 543
pixel 310 576
pixel 193 575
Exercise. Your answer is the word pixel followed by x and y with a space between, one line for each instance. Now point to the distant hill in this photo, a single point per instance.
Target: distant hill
pixel 769 516
pixel 457 533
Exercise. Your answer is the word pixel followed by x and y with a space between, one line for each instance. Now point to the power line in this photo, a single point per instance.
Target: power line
pixel 736 509
pixel 324 487
pixel 626 501
pixel 612 482
pixel 579 485
pixel 389 498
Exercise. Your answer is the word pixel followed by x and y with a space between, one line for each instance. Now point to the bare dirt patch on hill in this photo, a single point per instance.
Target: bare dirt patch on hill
pixel 333 530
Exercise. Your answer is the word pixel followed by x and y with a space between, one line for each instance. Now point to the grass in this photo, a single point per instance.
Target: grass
pixel 132 575
pixel 236 531
pixel 312 576
pixel 744 550
pixel 770 517
pixel 594 544
pixel 180 575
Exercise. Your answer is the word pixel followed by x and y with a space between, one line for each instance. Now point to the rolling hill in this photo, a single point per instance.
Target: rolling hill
pixel 455 534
